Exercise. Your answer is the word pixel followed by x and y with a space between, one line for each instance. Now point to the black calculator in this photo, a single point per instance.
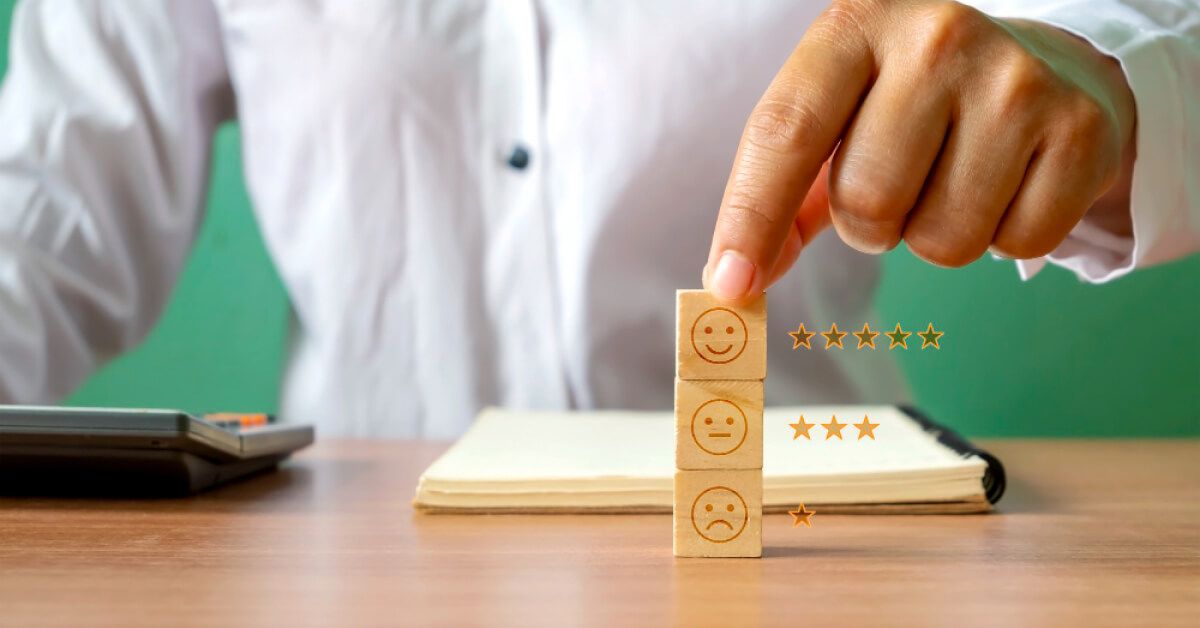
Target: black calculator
pixel 119 452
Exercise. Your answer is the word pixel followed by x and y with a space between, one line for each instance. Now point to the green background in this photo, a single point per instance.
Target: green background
pixel 1051 357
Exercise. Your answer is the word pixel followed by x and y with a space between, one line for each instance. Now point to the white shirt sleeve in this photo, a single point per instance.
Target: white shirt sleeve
pixel 1158 45
pixel 106 119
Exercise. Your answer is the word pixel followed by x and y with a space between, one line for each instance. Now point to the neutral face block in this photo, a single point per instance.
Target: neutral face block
pixel 718 424
pixel 717 341
pixel 718 513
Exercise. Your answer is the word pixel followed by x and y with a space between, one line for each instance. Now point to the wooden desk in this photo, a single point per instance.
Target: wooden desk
pixel 1091 533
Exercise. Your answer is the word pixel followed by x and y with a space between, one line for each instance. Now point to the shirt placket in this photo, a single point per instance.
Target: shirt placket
pixel 519 267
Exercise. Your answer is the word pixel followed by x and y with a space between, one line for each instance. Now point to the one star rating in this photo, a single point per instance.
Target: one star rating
pixel 801 515
pixel 897 338
pixel 833 429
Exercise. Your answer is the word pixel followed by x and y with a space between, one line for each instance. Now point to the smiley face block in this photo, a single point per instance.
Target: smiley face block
pixel 718 513
pixel 718 424
pixel 716 341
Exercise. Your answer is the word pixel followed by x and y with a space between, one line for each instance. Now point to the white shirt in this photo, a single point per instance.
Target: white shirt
pixel 428 276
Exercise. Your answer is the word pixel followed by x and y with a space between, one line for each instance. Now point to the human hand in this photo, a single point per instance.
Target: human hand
pixel 953 131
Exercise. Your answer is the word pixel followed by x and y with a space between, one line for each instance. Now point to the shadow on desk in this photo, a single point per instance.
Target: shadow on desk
pixel 294 486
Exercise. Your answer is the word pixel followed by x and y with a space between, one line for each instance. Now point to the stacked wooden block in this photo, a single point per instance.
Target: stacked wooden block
pixel 720 364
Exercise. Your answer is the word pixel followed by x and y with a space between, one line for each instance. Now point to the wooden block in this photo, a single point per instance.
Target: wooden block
pixel 718 513
pixel 715 341
pixel 718 424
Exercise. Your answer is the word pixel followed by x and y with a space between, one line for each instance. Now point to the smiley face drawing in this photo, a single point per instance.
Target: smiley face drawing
pixel 719 514
pixel 719 427
pixel 719 335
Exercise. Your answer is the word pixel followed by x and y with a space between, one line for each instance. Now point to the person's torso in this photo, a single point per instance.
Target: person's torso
pixel 431 276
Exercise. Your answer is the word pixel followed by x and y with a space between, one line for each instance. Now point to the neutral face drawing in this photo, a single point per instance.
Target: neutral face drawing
pixel 719 335
pixel 719 514
pixel 719 427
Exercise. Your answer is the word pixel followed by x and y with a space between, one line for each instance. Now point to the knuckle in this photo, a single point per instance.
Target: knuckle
pixel 744 216
pixel 870 238
pixel 863 198
pixel 1087 120
pixel 1022 81
pixel 941 251
pixel 957 19
pixel 944 29
pixel 783 127
pixel 1086 138
pixel 1015 245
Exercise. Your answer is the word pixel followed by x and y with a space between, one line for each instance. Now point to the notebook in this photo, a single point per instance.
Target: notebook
pixel 623 462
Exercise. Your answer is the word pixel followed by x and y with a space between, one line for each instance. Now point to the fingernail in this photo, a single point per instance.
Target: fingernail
pixel 731 278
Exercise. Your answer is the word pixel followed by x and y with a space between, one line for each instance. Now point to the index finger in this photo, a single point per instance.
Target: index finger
pixel 792 130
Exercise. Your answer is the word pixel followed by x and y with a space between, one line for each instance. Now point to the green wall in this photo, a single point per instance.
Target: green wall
pixel 1051 357
pixel 220 342
pixel 219 345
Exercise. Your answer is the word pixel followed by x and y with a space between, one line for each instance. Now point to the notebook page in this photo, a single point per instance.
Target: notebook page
pixel 505 447
pixel 900 446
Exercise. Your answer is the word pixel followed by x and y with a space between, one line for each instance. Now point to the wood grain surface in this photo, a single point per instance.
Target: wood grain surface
pixel 1091 533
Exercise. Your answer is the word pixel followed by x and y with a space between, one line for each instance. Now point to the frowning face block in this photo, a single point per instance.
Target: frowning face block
pixel 718 513
pixel 717 341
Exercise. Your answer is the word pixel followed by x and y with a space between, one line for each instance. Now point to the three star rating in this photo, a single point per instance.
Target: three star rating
pixel 802 337
pixel 866 429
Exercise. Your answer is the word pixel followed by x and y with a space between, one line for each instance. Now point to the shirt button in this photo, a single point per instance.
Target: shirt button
pixel 518 159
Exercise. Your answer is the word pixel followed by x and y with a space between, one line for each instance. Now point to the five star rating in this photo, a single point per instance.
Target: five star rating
pixel 865 338
pixel 833 429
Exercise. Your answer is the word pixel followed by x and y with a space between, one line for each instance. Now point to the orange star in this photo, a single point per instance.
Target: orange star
pixel 866 428
pixel 833 428
pixel 800 337
pixel 929 337
pixel 833 337
pixel 801 428
pixel 898 337
pixel 801 515
pixel 866 337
